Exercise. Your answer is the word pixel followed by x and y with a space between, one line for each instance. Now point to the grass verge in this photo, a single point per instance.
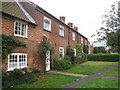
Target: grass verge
pixel 100 83
pixel 89 67
pixel 111 73
pixel 50 81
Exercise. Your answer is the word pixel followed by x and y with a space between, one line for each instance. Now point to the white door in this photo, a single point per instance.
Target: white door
pixel 47 60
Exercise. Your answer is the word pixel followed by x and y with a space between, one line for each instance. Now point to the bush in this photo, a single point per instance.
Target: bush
pixel 104 57
pixel 80 59
pixel 85 49
pixel 35 70
pixel 78 49
pixel 61 64
pixel 16 77
pixel 69 54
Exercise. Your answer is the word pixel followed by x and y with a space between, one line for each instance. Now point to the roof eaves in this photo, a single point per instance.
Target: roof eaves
pixel 18 18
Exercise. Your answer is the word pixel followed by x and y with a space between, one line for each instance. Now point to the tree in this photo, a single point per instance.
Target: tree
pixel 45 46
pixel 112 41
pixel 110 28
pixel 99 50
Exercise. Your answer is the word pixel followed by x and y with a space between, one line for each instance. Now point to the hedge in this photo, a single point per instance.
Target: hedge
pixel 61 64
pixel 104 57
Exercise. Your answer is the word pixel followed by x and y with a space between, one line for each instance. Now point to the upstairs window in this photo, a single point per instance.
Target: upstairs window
pixel 61 52
pixel 20 29
pixel 17 60
pixel 61 30
pixel 81 39
pixel 47 24
pixel 73 36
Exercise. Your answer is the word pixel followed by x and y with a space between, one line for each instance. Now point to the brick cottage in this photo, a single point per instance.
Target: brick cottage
pixel 28 22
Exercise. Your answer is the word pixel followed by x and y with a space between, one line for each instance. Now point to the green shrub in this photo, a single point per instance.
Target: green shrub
pixel 80 59
pixel 7 47
pixel 78 49
pixel 85 49
pixel 61 64
pixel 69 54
pixel 103 57
pixel 35 70
pixel 16 77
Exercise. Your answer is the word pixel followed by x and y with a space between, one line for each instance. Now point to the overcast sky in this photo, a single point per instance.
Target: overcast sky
pixel 86 14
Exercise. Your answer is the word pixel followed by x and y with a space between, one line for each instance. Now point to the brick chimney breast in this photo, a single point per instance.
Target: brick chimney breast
pixel 70 24
pixel 62 18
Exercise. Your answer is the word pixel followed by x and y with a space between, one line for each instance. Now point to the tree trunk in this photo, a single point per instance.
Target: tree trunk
pixel 43 59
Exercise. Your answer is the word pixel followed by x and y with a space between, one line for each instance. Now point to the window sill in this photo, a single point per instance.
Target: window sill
pixel 61 36
pixel 20 36
pixel 47 30
pixel 17 68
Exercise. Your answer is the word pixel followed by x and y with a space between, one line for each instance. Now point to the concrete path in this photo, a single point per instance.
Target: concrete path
pixel 81 81
pixel 71 74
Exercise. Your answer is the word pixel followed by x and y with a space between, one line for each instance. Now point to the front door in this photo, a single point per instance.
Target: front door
pixel 47 60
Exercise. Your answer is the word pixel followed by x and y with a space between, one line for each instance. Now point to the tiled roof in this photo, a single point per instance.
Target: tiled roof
pixel 13 9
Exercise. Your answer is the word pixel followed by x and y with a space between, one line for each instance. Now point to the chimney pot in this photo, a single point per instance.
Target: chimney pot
pixel 75 28
pixel 62 18
pixel 70 24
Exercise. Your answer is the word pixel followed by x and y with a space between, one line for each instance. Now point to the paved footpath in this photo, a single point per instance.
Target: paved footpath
pixel 81 81
pixel 71 74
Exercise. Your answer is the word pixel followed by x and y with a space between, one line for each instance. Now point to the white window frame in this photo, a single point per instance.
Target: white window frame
pixel 49 28
pixel 9 69
pixel 61 31
pixel 62 52
pixel 26 29
pixel 81 39
pixel 73 36
pixel 74 51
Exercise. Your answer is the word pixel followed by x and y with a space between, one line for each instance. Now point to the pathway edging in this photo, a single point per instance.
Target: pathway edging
pixel 71 74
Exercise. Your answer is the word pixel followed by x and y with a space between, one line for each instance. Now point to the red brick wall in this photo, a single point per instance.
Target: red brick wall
pixel 36 32
pixel 57 40
pixel 31 41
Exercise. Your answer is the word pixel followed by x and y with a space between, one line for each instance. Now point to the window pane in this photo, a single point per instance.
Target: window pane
pixel 47 24
pixel 17 62
pixel 13 61
pixel 22 61
pixel 20 29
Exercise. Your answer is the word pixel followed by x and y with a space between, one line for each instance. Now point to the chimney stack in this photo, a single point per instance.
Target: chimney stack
pixel 62 18
pixel 75 28
pixel 70 24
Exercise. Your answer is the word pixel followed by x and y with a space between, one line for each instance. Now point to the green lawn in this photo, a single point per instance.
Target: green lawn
pixel 100 83
pixel 50 81
pixel 111 73
pixel 89 67
pixel 58 80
